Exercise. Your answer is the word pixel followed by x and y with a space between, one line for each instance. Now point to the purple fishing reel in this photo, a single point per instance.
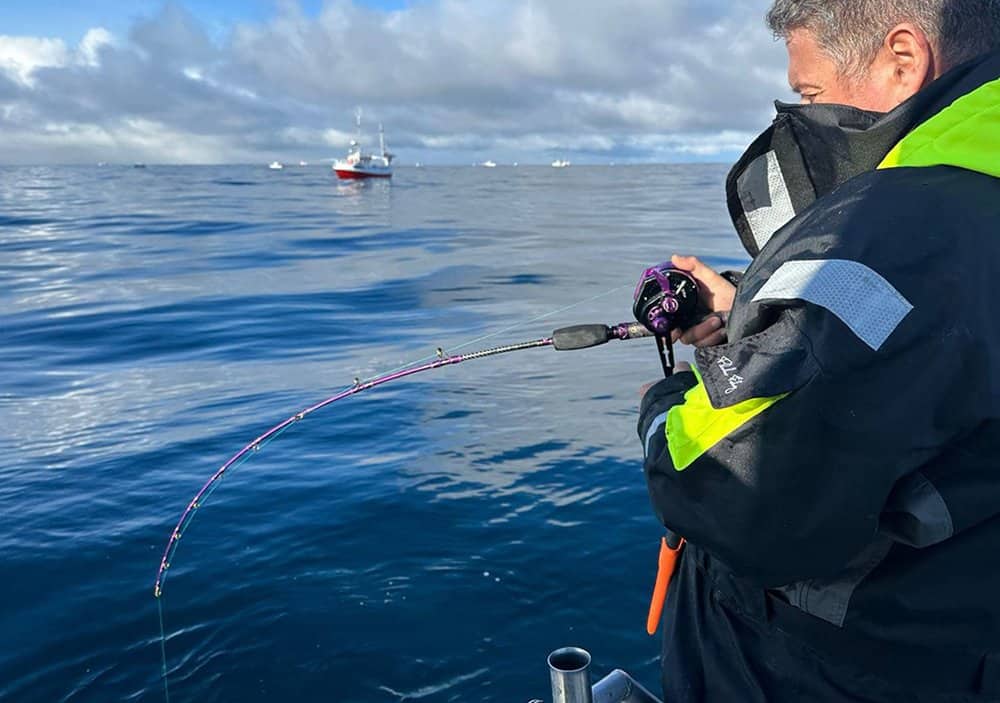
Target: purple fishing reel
pixel 665 299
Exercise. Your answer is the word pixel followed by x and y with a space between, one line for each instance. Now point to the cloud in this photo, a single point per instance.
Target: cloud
pixel 90 46
pixel 20 57
pixel 453 80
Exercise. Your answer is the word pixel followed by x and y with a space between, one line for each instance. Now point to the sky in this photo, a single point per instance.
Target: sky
pixel 453 81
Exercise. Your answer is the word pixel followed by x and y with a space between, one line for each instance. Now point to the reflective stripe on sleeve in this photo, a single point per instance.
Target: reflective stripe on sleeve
pixel 863 300
pixel 658 422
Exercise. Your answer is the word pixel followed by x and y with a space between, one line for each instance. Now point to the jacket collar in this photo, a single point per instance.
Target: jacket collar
pixel 810 150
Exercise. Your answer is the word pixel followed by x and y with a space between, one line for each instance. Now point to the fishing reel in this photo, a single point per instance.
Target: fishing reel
pixel 666 298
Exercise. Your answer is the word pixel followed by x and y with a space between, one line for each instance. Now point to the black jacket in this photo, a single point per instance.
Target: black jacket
pixel 835 467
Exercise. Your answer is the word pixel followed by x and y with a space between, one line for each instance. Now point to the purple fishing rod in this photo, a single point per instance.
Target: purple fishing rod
pixel 564 339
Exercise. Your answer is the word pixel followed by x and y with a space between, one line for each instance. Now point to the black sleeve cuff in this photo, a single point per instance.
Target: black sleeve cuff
pixel 733 277
pixel 663 396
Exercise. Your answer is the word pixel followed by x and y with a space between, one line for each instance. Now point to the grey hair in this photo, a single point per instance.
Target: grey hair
pixel 852 31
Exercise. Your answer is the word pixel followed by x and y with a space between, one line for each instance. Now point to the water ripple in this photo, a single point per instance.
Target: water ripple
pixel 430 540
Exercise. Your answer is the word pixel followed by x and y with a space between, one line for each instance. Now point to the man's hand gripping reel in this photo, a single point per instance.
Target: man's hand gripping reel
pixel 665 299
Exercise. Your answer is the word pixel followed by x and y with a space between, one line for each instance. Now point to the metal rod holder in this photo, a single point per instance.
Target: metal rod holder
pixel 569 669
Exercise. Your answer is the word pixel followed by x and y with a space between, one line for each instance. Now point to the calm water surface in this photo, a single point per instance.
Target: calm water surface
pixel 430 540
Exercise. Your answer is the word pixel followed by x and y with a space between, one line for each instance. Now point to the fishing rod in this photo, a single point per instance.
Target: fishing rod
pixel 564 339
pixel 666 298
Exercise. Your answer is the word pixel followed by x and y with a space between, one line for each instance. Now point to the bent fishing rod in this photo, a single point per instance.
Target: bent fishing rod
pixel 564 339
pixel 665 299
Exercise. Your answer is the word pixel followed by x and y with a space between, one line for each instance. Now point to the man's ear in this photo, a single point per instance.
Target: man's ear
pixel 912 58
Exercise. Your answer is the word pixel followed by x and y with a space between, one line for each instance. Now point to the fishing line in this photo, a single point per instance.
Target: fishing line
pixel 578 337
pixel 163 652
pixel 504 330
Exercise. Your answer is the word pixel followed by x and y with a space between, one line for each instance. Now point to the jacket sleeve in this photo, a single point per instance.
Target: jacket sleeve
pixel 779 457
pixel 657 403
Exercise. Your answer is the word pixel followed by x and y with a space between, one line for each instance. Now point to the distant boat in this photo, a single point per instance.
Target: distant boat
pixel 275 165
pixel 303 163
pixel 559 163
pixel 138 165
pixel 359 164
pixel 489 164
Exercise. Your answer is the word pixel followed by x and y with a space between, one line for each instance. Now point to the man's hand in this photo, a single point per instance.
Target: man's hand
pixel 716 294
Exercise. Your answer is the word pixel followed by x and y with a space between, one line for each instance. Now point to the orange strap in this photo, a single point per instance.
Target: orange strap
pixel 664 572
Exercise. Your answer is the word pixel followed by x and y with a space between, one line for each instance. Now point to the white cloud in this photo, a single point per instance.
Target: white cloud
pixel 90 46
pixel 20 57
pixel 451 79
pixel 125 140
pixel 333 138
pixel 698 144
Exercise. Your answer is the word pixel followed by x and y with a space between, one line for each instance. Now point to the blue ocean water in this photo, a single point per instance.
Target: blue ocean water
pixel 430 540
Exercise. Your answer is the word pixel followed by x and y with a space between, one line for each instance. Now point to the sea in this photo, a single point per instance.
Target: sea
pixel 429 540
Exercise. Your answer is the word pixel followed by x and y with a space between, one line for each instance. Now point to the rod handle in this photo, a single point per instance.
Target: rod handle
pixel 580 337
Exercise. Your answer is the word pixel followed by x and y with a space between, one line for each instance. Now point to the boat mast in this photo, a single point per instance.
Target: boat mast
pixel 357 136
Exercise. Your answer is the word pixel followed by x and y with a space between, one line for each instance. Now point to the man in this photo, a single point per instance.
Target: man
pixel 834 463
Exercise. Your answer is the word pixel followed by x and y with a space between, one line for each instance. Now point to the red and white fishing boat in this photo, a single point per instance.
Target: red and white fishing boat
pixel 358 164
